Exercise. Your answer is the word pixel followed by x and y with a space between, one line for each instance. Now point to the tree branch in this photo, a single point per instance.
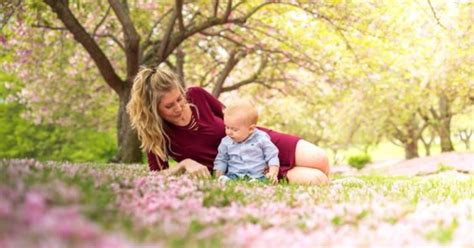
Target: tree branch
pixel 425 141
pixel 80 34
pixel 180 58
pixel 337 28
pixel 268 86
pixel 434 15
pixel 209 53
pixel 166 39
pixel 215 8
pixel 147 41
pixel 170 65
pixel 113 38
pixel 398 132
pixel 396 143
pixel 171 40
pixel 101 21
pixel 202 82
pixel 419 133
pixel 234 58
pixel 243 19
pixel 237 5
pixel 303 57
pixel 179 15
pixel 49 27
pixel 132 39
pixel 178 39
pixel 434 113
pixel 251 79
pixel 218 34
pixel 228 10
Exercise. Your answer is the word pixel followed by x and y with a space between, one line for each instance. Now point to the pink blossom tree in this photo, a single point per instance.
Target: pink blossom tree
pixel 222 45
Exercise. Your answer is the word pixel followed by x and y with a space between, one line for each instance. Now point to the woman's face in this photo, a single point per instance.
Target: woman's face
pixel 171 107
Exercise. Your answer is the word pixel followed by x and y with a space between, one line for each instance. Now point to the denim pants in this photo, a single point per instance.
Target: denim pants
pixel 233 176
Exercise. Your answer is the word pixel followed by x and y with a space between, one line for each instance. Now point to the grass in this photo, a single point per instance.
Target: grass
pixel 349 203
pixel 388 151
pixel 442 234
pixel 96 200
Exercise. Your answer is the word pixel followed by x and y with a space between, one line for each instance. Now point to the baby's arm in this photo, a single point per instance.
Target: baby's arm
pixel 272 174
pixel 270 152
pixel 221 160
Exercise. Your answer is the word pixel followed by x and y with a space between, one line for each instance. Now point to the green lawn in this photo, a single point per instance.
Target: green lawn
pixel 388 151
pixel 127 206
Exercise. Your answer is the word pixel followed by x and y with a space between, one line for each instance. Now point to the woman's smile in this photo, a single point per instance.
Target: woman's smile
pixel 179 115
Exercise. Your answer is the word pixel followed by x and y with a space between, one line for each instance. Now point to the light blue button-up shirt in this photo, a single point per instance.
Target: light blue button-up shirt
pixel 247 158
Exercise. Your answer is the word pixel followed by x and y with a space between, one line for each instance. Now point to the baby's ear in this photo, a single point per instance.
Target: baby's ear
pixel 252 127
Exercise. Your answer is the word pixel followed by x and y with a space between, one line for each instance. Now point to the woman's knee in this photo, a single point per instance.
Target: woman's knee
pixel 307 176
pixel 310 155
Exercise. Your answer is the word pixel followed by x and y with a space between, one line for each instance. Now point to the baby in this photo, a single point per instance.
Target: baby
pixel 246 151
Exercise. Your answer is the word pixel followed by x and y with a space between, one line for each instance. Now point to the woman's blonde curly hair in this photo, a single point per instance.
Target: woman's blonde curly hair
pixel 149 86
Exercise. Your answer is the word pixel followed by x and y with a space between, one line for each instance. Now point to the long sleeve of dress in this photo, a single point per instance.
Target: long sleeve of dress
pixel 155 163
pixel 215 105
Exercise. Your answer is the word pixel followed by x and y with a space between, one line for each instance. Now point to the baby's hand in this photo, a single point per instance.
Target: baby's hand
pixel 272 175
pixel 223 179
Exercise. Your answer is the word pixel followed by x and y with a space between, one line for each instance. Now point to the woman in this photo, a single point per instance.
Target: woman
pixel 188 127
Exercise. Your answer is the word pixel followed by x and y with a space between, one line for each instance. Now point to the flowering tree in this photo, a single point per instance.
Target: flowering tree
pixel 344 65
pixel 216 44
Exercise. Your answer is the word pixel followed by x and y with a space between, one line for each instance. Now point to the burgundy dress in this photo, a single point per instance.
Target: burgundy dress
pixel 199 142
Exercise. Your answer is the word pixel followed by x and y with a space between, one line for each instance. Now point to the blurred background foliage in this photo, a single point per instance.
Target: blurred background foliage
pixel 23 138
pixel 390 79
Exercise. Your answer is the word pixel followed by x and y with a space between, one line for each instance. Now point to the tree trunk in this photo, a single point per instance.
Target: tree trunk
pixel 427 149
pixel 465 136
pixel 427 143
pixel 445 137
pixel 411 140
pixel 128 143
pixel 444 128
pixel 411 149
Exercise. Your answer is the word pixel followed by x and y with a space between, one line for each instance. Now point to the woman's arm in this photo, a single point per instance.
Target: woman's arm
pixel 155 163
pixel 194 168
pixel 173 171
pixel 189 166
pixel 214 104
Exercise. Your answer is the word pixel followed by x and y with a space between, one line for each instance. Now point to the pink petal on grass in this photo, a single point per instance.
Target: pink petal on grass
pixel 34 207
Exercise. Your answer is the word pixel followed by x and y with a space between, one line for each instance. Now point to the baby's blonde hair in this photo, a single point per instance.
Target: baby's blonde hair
pixel 149 86
pixel 244 109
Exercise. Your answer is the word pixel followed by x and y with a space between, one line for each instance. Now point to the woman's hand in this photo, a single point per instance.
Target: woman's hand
pixel 173 171
pixel 272 175
pixel 195 169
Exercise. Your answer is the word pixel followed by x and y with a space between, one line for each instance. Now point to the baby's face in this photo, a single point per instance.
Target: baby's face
pixel 237 128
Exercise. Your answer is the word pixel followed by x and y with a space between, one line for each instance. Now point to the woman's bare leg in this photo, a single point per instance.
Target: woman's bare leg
pixel 312 165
